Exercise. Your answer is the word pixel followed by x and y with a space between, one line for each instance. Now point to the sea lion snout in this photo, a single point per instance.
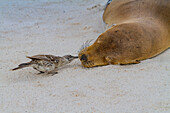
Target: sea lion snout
pixel 83 58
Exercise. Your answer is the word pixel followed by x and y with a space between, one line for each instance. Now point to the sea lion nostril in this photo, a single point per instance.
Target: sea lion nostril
pixel 83 57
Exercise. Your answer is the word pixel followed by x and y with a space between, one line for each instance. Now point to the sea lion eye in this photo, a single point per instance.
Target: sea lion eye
pixel 83 57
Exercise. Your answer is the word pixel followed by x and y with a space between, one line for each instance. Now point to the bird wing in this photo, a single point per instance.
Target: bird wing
pixel 43 57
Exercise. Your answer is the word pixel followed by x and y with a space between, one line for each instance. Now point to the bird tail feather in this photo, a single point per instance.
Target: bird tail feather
pixel 23 65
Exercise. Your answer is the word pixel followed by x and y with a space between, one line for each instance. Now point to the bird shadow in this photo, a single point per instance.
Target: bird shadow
pixel 26 75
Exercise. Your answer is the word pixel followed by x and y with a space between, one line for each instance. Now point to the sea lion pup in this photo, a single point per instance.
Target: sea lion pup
pixel 142 31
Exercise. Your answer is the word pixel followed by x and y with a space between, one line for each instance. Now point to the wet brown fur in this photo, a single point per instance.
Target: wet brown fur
pixel 142 32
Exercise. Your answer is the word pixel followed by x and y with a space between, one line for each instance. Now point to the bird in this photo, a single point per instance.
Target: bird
pixel 48 64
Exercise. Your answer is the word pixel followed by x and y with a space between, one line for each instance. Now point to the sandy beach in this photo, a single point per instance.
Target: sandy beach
pixel 60 27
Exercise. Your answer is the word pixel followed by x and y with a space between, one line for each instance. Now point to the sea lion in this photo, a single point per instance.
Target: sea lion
pixel 142 31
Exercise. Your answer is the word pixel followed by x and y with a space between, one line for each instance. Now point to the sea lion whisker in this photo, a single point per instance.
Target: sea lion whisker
pixel 85 45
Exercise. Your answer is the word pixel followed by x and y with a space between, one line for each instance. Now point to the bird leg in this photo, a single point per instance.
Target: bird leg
pixel 52 73
pixel 40 72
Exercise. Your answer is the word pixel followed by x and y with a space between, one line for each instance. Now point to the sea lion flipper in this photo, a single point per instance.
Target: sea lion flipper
pixel 137 62
pixel 130 62
pixel 113 60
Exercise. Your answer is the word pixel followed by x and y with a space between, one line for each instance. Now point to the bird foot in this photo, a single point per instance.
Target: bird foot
pixel 40 73
pixel 53 73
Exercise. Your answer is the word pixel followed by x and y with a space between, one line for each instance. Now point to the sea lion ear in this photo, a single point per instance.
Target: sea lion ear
pixel 111 60
pixel 99 41
pixel 108 59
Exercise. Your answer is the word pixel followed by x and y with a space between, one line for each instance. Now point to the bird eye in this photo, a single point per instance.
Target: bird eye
pixel 56 61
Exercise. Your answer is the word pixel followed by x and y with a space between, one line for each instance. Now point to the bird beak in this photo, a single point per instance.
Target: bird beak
pixel 75 57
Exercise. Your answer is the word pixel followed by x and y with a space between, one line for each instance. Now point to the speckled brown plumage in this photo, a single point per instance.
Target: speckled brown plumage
pixel 47 63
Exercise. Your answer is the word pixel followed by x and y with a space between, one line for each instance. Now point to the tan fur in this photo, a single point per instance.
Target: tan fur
pixel 142 31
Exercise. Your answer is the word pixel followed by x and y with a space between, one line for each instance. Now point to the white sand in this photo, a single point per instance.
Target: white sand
pixel 30 27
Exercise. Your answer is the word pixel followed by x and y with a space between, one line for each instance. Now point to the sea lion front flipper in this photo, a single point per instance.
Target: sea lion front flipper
pixel 113 60
pixel 131 62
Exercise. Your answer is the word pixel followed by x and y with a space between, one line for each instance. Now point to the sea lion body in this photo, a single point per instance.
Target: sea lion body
pixel 142 31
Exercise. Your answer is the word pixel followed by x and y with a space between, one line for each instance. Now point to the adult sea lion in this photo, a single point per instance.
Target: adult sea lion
pixel 142 31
